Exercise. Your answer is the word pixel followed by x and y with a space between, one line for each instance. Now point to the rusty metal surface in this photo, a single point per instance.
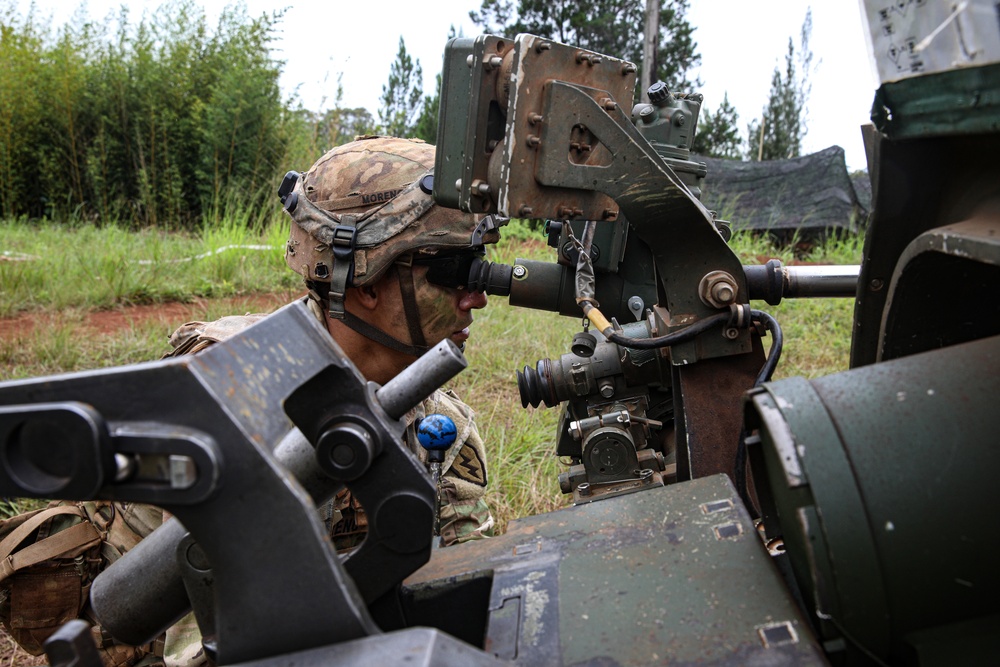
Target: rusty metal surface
pixel 674 575
pixel 658 205
pixel 711 393
pixel 570 151
pixel 536 63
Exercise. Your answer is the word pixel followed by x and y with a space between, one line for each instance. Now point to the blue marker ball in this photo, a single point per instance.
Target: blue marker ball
pixel 436 432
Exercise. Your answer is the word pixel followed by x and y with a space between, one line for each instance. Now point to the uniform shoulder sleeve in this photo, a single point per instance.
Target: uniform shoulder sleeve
pixel 196 336
pixel 465 462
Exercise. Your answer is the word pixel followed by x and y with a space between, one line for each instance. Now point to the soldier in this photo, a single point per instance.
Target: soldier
pixel 386 271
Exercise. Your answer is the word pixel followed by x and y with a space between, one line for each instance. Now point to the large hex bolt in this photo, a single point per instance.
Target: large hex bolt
pixel 718 289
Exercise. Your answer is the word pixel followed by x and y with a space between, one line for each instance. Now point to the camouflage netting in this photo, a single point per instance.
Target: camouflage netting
pixel 863 189
pixel 811 195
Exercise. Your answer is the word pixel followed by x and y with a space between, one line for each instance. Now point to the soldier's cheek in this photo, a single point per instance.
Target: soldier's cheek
pixel 437 314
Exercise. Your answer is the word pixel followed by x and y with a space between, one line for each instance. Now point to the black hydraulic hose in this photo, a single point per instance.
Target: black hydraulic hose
pixel 766 371
pixel 672 338
pixel 777 342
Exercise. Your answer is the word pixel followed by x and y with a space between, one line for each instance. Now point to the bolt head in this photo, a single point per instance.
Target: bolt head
pixel 723 292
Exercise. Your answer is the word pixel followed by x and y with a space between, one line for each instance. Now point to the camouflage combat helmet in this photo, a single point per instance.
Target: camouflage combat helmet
pixel 364 207
pixel 366 204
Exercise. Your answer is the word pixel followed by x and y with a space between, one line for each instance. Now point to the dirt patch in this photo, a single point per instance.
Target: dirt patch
pixel 11 655
pixel 171 315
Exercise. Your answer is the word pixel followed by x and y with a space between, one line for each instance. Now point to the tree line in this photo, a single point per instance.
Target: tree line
pixel 152 121
pixel 169 121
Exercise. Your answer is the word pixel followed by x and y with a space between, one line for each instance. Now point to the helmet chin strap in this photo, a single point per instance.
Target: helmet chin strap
pixel 375 334
pixel 407 290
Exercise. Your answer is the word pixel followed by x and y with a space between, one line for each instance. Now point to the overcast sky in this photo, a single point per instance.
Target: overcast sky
pixel 740 41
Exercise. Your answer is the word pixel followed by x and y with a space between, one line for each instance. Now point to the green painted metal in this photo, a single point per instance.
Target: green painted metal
pixel 471 120
pixel 952 271
pixel 674 575
pixel 892 468
pixel 958 102
pixel 450 159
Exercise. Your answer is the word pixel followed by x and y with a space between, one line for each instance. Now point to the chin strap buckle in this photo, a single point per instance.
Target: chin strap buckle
pixel 342 245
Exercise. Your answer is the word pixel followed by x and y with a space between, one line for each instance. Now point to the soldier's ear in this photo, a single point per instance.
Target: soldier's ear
pixel 368 296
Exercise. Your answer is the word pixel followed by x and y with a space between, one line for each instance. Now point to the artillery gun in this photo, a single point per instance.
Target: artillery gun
pixel 869 548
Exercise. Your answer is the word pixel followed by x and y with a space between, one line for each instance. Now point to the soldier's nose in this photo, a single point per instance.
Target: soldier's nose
pixel 472 300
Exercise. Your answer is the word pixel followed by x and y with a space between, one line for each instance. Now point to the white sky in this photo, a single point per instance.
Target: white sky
pixel 740 41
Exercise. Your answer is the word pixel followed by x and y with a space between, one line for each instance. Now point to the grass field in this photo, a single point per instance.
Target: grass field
pixel 57 275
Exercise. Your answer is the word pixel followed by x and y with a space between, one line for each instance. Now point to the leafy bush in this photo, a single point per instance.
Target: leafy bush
pixel 154 122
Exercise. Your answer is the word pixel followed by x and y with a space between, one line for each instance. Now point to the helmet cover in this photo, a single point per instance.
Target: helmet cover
pixel 373 184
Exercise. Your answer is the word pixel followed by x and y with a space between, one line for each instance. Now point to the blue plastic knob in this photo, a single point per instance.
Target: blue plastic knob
pixel 436 433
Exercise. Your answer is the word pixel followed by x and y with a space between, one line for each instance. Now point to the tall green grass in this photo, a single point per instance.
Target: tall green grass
pixel 64 266
pixel 817 332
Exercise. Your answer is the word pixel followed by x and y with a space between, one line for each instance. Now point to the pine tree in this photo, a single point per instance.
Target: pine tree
pixel 402 96
pixel 783 119
pixel 612 27
pixel 427 125
pixel 718 133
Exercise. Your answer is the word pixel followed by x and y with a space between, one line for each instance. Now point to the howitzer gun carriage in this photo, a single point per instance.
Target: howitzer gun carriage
pixel 870 479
